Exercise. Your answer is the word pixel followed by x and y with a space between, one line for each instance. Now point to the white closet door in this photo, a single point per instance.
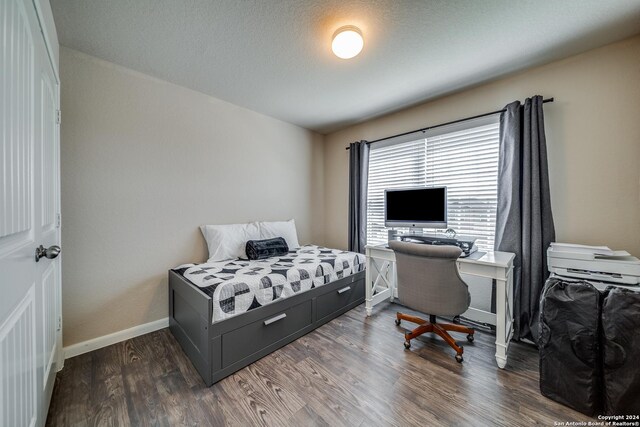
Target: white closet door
pixel 29 197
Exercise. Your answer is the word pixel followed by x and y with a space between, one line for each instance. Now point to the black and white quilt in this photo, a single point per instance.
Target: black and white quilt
pixel 237 286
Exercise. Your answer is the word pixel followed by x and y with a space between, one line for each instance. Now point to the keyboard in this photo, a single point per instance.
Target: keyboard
pixel 467 244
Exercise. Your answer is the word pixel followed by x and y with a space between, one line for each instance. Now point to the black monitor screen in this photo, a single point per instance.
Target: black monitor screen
pixel 420 205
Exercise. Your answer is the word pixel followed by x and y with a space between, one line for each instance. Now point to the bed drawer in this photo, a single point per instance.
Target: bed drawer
pixel 251 338
pixel 335 300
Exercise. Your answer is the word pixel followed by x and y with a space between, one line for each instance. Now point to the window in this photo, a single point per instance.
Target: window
pixel 463 157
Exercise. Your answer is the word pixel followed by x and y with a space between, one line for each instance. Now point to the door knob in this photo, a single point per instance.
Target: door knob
pixel 51 252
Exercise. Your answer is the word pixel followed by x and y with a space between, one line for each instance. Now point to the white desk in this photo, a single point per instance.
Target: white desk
pixel 381 285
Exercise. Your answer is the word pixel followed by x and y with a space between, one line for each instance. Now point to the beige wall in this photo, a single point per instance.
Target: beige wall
pixel 593 141
pixel 144 163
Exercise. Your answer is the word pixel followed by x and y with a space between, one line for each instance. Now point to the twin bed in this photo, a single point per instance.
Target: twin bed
pixel 227 314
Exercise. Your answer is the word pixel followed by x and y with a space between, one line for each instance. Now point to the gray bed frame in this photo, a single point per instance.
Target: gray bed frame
pixel 217 350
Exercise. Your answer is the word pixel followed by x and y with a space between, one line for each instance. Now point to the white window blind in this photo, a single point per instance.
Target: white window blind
pixel 396 166
pixel 465 161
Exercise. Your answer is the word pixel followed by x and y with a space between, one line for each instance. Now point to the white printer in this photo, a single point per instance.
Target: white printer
pixel 596 264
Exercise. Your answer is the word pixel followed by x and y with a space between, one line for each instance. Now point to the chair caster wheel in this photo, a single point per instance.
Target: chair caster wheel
pixel 459 358
pixel 407 345
pixel 397 322
pixel 456 320
pixel 470 338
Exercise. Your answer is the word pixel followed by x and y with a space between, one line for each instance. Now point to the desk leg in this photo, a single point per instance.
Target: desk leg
pixel 392 280
pixel 368 298
pixel 502 334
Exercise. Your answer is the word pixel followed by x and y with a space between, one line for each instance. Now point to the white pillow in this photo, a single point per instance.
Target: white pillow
pixel 284 229
pixel 229 241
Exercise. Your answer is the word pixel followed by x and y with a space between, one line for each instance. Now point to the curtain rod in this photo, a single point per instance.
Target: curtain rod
pixel 544 101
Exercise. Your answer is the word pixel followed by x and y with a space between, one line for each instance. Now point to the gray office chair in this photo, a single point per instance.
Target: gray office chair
pixel 429 282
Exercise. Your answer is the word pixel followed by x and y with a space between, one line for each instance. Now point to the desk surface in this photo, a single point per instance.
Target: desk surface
pixel 495 258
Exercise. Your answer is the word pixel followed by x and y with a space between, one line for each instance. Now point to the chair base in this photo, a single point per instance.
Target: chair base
pixel 437 328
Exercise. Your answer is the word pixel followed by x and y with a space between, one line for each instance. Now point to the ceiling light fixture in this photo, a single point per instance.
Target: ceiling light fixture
pixel 347 42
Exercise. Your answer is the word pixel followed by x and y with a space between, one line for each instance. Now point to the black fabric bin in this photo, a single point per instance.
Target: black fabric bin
pixel 621 351
pixel 569 345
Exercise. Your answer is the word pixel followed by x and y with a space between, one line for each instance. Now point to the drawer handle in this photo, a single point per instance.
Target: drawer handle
pixel 275 319
pixel 343 290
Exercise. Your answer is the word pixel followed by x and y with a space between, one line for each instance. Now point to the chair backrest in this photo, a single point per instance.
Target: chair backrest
pixel 428 278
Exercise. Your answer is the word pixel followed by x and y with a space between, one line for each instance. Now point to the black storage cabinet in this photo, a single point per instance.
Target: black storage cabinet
pixel 569 344
pixel 621 350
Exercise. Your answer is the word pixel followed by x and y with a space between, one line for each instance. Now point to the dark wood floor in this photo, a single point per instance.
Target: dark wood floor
pixel 351 372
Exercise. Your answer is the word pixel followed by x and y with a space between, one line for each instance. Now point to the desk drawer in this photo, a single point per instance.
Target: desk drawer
pixel 335 300
pixel 251 338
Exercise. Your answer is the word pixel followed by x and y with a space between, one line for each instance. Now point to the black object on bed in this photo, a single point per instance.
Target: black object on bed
pixel 262 249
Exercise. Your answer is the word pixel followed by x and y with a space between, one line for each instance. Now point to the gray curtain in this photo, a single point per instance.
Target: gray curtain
pixel 524 222
pixel 358 171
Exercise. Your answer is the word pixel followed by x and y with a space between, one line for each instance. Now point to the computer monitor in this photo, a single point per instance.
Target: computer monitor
pixel 422 207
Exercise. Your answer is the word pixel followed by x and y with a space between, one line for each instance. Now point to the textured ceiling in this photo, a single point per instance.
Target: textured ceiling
pixel 274 56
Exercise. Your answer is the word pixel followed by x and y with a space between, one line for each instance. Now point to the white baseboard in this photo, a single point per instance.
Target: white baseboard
pixel 116 337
